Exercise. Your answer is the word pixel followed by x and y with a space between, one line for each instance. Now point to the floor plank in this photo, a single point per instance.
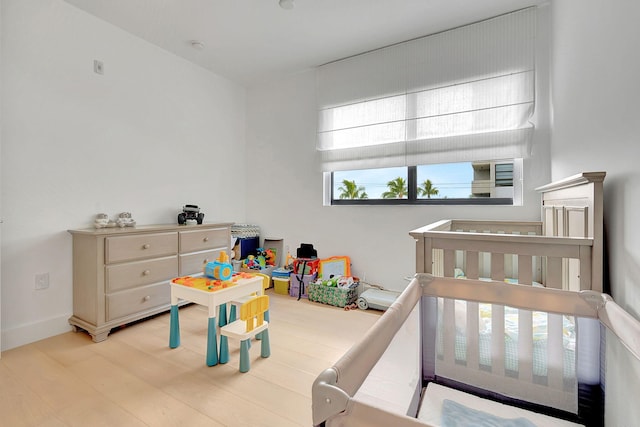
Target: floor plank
pixel 134 378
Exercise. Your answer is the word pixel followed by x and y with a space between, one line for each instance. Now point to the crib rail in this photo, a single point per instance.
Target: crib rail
pixel 500 250
pixel 334 389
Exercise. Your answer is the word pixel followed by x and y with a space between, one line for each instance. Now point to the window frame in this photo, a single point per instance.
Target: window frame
pixel 412 197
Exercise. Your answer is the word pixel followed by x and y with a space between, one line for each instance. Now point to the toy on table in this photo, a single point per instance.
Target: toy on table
pixel 205 283
pixel 220 269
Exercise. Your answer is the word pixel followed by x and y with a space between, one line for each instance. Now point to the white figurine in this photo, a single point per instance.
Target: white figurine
pixel 125 220
pixel 102 221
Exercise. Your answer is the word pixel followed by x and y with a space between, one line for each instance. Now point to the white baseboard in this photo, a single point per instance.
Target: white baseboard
pixel 32 332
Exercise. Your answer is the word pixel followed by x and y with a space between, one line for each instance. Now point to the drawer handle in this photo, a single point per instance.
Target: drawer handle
pixel 147 298
pixel 146 272
pixel 206 239
pixel 146 246
pixel 206 260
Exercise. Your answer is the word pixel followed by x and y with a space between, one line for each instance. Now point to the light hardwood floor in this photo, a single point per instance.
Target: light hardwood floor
pixel 134 378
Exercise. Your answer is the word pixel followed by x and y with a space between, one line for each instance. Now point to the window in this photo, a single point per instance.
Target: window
pixel 504 175
pixel 430 106
pixel 482 182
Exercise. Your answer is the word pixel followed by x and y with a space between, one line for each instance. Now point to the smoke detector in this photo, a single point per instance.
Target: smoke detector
pixel 286 4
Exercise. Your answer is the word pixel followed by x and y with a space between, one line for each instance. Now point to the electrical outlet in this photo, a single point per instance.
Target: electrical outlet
pixel 42 281
pixel 98 67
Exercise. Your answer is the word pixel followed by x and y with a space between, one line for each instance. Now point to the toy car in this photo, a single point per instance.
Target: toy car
pixel 190 212
pixel 378 299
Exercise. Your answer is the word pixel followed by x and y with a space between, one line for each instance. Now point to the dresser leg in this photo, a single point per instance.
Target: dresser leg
pixel 100 337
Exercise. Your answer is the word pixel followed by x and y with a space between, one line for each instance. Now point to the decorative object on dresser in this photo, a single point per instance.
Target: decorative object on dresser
pixel 125 220
pixel 121 275
pixel 190 212
pixel 102 221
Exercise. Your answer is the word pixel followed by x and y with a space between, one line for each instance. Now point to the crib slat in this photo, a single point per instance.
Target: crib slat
pixel 437 265
pixel 497 266
pixel 471 267
pixel 497 339
pixel 473 345
pixel 554 273
pixel 525 270
pixel 449 262
pixel 449 331
pixel 423 255
pixel 525 346
pixel 555 352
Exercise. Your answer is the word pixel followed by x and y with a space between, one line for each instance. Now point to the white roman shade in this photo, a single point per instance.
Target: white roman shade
pixel 461 95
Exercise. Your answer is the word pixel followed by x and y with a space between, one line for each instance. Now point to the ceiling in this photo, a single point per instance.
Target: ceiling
pixel 253 41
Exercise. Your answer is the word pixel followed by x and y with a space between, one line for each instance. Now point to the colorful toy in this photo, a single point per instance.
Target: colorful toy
pixel 337 281
pixel 203 283
pixel 270 255
pixel 251 262
pixel 288 263
pixel 220 269
pixel 335 266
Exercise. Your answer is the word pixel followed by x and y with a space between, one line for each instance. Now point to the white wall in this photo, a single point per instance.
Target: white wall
pixel 151 134
pixel 0 177
pixel 595 127
pixel 285 189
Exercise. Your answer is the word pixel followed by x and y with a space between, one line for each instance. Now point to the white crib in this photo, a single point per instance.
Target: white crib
pixel 564 250
pixel 506 311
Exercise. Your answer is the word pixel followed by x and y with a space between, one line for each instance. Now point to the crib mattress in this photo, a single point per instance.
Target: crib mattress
pixel 438 400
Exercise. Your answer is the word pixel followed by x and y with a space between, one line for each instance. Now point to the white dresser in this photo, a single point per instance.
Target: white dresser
pixel 121 275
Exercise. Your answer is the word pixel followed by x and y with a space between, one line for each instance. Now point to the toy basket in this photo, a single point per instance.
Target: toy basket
pixel 332 295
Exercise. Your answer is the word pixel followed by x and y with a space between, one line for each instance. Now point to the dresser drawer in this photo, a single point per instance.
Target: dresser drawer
pixel 200 240
pixel 194 263
pixel 132 301
pixel 139 273
pixel 140 246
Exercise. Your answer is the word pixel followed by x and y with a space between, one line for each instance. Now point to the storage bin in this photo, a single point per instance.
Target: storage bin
pixel 281 272
pixel 246 246
pixel 296 281
pixel 281 285
pixel 332 295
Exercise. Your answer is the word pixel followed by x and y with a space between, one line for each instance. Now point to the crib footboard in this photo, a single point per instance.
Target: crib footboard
pixel 363 389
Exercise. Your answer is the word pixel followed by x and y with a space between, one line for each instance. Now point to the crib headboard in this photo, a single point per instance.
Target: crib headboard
pixel 573 207
pixel 563 250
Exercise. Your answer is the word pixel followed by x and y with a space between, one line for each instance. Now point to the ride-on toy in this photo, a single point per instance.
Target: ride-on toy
pixel 379 299
pixel 190 212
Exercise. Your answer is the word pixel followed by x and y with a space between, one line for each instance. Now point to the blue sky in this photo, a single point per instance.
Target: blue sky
pixel 453 180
